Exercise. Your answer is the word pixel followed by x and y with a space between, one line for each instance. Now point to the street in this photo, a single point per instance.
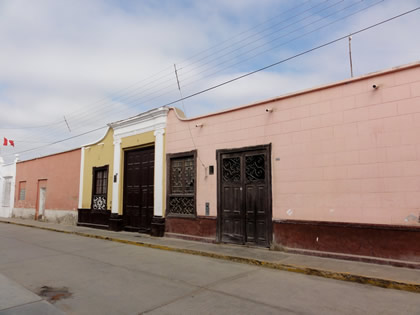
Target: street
pixel 95 276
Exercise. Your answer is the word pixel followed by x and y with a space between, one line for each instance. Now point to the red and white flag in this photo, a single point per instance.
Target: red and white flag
pixel 8 141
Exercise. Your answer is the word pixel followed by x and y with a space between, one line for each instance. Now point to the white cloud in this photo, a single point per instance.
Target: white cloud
pixel 59 58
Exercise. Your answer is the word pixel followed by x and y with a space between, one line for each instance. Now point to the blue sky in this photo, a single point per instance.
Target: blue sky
pixel 98 61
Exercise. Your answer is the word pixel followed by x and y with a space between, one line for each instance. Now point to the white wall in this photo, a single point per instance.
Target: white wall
pixel 7 188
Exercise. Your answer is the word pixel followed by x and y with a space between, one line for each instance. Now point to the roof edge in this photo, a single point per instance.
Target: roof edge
pixel 48 155
pixel 415 64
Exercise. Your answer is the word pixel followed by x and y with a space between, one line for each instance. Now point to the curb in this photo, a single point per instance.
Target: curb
pixel 343 276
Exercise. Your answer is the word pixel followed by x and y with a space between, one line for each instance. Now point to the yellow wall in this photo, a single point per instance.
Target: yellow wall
pixel 99 154
pixel 103 154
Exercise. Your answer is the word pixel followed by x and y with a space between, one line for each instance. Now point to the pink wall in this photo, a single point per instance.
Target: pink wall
pixel 344 152
pixel 61 172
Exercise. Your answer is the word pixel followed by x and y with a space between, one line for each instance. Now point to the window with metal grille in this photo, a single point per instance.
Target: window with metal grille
pixel 181 184
pixel 100 188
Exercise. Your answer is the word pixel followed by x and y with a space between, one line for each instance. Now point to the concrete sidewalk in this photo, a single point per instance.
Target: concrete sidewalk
pixel 406 279
pixel 15 299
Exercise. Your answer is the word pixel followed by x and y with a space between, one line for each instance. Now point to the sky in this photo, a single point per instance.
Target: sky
pixel 70 67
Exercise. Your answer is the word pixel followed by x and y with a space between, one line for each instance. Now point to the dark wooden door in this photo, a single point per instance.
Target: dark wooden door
pixel 244 196
pixel 138 189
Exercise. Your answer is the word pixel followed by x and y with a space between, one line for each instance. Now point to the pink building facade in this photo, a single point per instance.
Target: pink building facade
pixel 47 188
pixel 333 169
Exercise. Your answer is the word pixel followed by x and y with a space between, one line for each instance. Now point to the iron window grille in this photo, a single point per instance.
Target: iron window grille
pixel 181 198
pixel 100 188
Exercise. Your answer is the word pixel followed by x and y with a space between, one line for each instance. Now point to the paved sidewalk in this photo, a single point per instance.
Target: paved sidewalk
pixel 16 300
pixel 366 273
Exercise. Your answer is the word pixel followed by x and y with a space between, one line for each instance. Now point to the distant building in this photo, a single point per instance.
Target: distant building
pixel 7 187
pixel 47 188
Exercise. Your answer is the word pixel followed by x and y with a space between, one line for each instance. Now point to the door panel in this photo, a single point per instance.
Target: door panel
pixel 41 199
pixel 138 189
pixel 244 186
pixel 232 217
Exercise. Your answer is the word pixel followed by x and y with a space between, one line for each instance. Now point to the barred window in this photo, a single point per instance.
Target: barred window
pixel 99 188
pixel 181 182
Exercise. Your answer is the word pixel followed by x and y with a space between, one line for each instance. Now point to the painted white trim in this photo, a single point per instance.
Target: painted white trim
pixel 116 169
pixel 132 132
pixel 153 120
pixel 141 119
pixel 100 139
pixel 82 170
pixel 158 185
pixel 148 121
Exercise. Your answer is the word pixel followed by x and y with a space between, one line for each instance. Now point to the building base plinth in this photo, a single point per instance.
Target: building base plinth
pixel 158 227
pixel 115 222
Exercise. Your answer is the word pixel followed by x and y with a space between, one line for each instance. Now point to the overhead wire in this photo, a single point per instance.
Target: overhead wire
pixel 121 97
pixel 253 72
pixel 133 93
pixel 104 113
pixel 293 39
pixel 287 42
pixel 144 98
pixel 216 56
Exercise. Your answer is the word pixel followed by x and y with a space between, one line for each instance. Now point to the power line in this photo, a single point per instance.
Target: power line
pixel 32 127
pixel 281 44
pixel 295 38
pixel 290 58
pixel 249 73
pixel 131 95
pixel 103 112
pixel 142 101
pixel 271 33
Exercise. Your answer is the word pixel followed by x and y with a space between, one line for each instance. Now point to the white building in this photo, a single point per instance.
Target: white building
pixel 7 187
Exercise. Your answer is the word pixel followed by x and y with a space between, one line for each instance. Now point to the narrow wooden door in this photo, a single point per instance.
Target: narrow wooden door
pixel 244 193
pixel 41 204
pixel 138 189
pixel 232 216
pixel 40 199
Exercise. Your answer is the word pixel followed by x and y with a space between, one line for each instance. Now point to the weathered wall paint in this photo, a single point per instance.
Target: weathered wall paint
pixel 344 152
pixel 98 154
pixel 61 172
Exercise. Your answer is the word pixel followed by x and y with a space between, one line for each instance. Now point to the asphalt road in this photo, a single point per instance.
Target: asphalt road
pixel 88 276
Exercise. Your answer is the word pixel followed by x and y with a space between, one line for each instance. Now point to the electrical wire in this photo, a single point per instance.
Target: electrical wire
pixel 104 113
pixel 290 58
pixel 143 101
pixel 171 84
pixel 100 102
pixel 245 75
pixel 295 38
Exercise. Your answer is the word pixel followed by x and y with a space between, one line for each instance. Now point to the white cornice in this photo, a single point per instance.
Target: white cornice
pixel 149 121
pixel 97 141
pixel 141 118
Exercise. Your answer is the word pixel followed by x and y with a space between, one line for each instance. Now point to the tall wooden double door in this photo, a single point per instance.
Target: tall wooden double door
pixel 244 196
pixel 138 189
